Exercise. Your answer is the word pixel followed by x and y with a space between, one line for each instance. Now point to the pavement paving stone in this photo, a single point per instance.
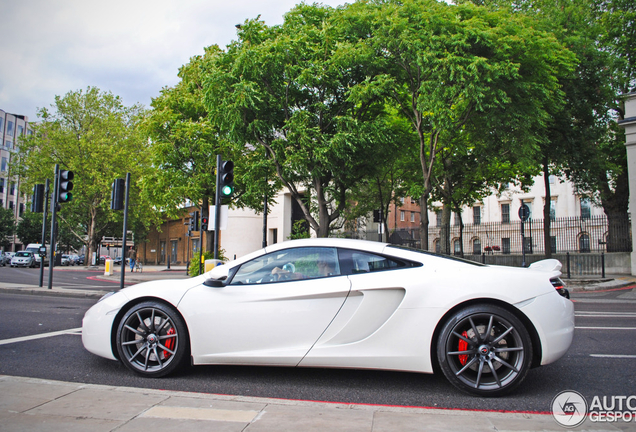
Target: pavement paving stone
pixel 100 403
pixel 17 422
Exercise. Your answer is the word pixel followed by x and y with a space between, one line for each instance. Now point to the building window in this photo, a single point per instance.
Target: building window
pixel 438 215
pixel 412 216
pixel 8 144
pixel 1 185
pixel 20 130
pixel 436 246
pixel 11 205
pixel 402 200
pixel 505 245
pixel 552 209
pixel 477 215
pixel 10 128
pixel 584 243
pixel 586 208
pixel 552 179
pixel 1 125
pixel 21 210
pixel 3 165
pixel 477 247
pixel 402 215
pixel 457 219
pixel 505 213
pixel 457 247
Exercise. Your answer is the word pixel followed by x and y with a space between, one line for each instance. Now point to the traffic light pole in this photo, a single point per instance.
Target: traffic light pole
pixel 217 207
pixel 46 191
pixel 53 220
pixel 123 241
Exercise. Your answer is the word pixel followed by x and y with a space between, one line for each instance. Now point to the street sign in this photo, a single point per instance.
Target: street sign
pixel 524 212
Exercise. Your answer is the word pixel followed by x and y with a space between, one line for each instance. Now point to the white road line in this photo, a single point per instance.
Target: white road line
pixel 605 328
pixel 622 356
pixel 75 331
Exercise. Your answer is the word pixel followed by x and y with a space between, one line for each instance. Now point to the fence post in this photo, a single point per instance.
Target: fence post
pixel 567 260
pixel 603 265
pixel 483 257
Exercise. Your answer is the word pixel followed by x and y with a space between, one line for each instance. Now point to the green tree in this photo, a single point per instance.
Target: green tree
pixel 183 148
pixel 94 135
pixel 29 228
pixel 293 91
pixel 463 70
pixel 7 227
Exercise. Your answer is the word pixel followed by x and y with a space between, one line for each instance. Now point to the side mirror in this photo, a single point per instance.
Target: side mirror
pixel 215 283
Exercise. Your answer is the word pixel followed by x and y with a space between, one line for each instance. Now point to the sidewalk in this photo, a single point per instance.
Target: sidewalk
pixel 28 404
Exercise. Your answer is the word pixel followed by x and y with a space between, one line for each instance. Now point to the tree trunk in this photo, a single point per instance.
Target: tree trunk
pixel 547 240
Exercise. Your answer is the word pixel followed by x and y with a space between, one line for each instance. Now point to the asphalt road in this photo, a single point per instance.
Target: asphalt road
pixel 67 277
pixel 601 361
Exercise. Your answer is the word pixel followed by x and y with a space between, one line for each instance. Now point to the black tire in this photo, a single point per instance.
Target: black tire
pixel 481 361
pixel 152 339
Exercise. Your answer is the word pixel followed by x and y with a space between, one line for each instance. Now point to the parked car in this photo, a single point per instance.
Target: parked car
pixel 8 256
pixel 23 259
pixel 80 259
pixel 66 261
pixel 344 303
pixel 117 260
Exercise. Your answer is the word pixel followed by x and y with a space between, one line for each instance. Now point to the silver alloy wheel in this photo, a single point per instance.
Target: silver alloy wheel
pixel 150 340
pixel 485 350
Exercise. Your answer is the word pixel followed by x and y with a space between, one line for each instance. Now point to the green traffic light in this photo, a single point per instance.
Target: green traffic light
pixel 227 190
pixel 66 197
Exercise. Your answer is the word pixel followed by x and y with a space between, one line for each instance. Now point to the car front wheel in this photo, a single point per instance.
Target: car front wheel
pixel 484 350
pixel 152 339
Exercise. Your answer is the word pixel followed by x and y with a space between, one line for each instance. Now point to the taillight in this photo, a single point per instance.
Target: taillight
pixel 558 284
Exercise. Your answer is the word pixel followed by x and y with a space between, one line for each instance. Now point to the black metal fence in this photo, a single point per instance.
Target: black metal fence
pixel 593 234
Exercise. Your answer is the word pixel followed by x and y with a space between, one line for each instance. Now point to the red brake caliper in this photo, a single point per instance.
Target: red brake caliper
pixel 463 346
pixel 170 343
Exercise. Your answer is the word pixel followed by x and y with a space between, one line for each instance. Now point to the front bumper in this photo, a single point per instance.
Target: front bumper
pixel 97 325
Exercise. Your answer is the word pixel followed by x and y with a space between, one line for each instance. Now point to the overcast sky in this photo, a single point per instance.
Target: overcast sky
pixel 132 48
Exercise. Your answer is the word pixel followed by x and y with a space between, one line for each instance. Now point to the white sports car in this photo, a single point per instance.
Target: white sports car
pixel 338 303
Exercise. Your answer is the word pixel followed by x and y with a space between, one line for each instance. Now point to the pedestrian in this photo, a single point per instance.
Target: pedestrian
pixel 132 256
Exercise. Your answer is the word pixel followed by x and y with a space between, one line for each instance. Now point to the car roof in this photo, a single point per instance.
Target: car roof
pixel 366 245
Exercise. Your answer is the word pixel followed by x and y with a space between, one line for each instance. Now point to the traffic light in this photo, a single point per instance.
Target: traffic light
pixel 37 205
pixel 227 179
pixel 65 186
pixel 195 219
pixel 117 194
pixel 204 223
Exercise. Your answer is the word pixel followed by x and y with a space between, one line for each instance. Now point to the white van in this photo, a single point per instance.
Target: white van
pixel 35 248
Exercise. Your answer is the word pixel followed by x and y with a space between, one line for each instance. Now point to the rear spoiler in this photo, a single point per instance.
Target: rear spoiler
pixel 548 266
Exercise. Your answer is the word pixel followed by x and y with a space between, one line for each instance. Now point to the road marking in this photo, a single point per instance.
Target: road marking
pixel 605 328
pixel 622 356
pixel 75 331
pixel 605 314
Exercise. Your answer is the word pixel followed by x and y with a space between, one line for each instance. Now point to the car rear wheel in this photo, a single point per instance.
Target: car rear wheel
pixel 484 350
pixel 152 339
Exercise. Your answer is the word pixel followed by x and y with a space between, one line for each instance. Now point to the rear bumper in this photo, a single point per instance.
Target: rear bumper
pixel 553 317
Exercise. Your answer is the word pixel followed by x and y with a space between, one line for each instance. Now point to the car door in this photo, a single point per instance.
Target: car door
pixel 272 311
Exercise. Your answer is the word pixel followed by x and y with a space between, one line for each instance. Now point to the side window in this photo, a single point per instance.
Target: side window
pixel 355 262
pixel 289 264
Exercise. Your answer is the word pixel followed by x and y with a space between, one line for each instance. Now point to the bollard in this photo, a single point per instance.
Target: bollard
pixel 108 267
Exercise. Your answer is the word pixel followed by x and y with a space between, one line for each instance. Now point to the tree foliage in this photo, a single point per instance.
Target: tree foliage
pixel 7 227
pixel 94 135
pixel 292 91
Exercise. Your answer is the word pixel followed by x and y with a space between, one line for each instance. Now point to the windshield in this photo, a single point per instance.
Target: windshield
pixel 23 254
